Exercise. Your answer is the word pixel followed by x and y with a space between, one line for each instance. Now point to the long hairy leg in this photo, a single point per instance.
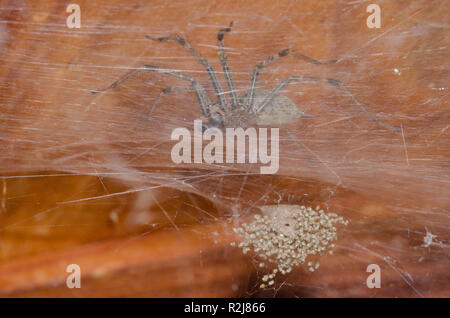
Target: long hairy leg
pixel 163 93
pixel 331 81
pixel 224 62
pixel 274 58
pixel 119 81
pixel 200 91
pixel 160 97
pixel 200 58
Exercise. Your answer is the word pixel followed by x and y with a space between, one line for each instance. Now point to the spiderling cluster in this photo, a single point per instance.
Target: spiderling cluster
pixel 286 234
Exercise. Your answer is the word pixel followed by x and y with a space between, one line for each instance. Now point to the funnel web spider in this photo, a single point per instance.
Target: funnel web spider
pixel 240 111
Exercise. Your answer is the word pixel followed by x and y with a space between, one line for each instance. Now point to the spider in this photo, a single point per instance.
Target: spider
pixel 247 109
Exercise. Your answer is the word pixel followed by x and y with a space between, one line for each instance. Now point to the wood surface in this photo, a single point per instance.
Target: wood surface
pixel 85 179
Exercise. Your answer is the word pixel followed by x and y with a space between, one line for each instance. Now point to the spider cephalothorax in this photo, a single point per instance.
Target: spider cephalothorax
pixel 233 118
pixel 255 106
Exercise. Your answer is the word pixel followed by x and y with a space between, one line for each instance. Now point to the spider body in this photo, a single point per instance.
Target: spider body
pixel 234 118
pixel 255 106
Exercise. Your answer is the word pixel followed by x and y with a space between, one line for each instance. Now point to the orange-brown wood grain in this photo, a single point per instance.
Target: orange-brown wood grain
pixel 86 179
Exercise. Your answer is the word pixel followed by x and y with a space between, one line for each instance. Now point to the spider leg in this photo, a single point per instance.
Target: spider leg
pixel 274 58
pixel 200 91
pixel 330 81
pixel 201 59
pixel 161 95
pixel 119 81
pixel 164 92
pixel 224 62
